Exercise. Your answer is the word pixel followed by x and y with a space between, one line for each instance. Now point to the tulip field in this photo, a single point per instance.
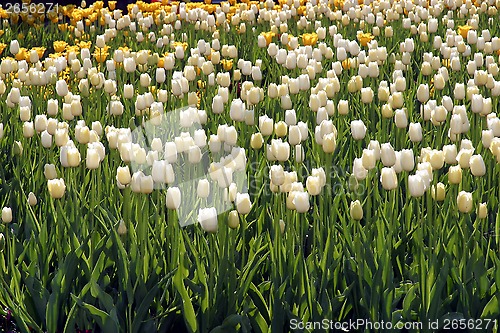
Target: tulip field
pixel 255 166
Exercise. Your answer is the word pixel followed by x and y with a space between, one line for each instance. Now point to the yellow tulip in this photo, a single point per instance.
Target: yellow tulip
pixel 60 45
pixel 268 36
pixel 365 38
pixel 310 39
pixel 463 30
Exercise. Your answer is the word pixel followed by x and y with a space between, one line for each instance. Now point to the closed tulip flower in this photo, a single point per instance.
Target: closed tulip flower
pixel 465 202
pixel 358 130
pixel 61 88
pixel 173 198
pixel 367 95
pixel 46 139
pixel 243 203
pixel 266 125
pixel 455 174
pixel 463 158
pixel 280 129
pixel 423 93
pixel 438 192
pixel 343 107
pixel 299 154
pixel 129 65
pixel 477 166
pixel 123 175
pixel 436 158
pixel 6 215
pixel 301 201
pixel 356 210
pixel 387 154
pixel 313 185
pixel 92 159
pixel 56 187
pixel 415 132
pixel 233 220
pixel 256 141
pixel 329 143
pixel 207 217
pixel 416 186
pixel 368 159
pixel 400 118
pixel 49 171
pixel 40 123
pixel 358 170
pixel 389 179
pixel 407 160
pixel 277 175
pixel 459 91
pixel 203 189
pixel 482 211
pixel 450 154
pixel 487 137
pixel 32 200
pixel 280 149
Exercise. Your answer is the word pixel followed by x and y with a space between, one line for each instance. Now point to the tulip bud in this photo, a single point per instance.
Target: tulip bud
pixel 313 185
pixel 92 160
pixel 464 202
pixel 436 158
pixel 173 198
pixel 243 203
pixel 280 129
pixel 329 143
pixel 388 179
pixel 367 95
pixel 415 132
pixel 423 93
pixel 277 175
pixel 358 130
pixel 32 200
pixel 400 118
pixel 368 159
pixel 123 175
pixel 203 189
pixel 6 215
pixel 301 201
pixel 56 187
pixel 387 155
pixel 207 217
pixel 455 174
pixel 416 185
pixel 407 160
pixel 463 158
pixel 295 135
pixel 266 125
pixel 438 192
pixel 343 107
pixel 482 211
pixel 17 148
pixel 61 88
pixel 122 228
pixel 477 166
pixel 358 170
pixel 356 210
pixel 233 219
